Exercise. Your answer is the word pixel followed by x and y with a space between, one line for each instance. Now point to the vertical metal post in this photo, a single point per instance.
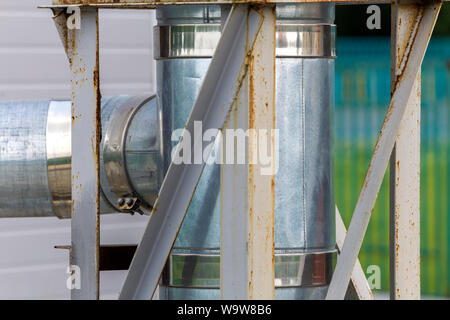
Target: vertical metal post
pixel 86 135
pixel 405 171
pixel 248 193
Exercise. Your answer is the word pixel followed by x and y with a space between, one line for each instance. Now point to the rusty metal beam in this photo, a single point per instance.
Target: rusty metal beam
pixel 150 4
pixel 82 50
pixel 405 171
pixel 212 107
pixel 248 194
pixel 409 69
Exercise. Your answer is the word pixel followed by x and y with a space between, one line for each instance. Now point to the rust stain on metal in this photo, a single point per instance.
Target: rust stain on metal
pixel 242 74
pixel 145 4
pixel 60 20
pixel 250 190
pixel 260 116
pixel 274 147
pixel 411 40
pixel 155 205
pixel 406 235
pixel 98 135
pixel 75 117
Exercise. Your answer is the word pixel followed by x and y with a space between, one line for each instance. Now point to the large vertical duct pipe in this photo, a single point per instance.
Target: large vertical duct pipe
pixel 304 201
pixel 184 41
pixel 35 157
pixel 185 38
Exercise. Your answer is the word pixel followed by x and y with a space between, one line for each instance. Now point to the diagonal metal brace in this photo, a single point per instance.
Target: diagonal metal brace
pixel 212 107
pixel 359 287
pixel 417 46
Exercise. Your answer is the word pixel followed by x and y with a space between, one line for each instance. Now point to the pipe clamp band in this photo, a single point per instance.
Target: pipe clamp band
pixel 200 41
pixel 311 269
pixel 114 154
pixel 185 41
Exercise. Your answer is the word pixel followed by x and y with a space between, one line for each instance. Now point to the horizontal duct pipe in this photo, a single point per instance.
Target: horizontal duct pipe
pixel 35 157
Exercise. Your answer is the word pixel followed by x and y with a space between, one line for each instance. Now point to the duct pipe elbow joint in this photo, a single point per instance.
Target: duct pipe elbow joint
pixel 127 199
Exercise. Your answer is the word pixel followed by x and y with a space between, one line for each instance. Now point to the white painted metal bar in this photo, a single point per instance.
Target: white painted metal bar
pixel 405 171
pixel 358 279
pixel 248 192
pixel 148 4
pixel 408 72
pixel 86 135
pixel 212 107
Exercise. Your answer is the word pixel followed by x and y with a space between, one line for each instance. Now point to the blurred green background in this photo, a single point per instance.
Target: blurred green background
pixel 362 97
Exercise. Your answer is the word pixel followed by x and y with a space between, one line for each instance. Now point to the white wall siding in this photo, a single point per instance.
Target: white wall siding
pixel 33 65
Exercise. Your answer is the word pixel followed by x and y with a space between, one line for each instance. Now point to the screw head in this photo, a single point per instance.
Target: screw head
pixel 130 202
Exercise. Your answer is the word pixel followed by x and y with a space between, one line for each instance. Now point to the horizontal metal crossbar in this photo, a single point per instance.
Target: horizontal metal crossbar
pixel 150 4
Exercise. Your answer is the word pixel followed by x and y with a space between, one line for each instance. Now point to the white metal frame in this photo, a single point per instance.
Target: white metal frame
pixel 226 76
pixel 247 196
pixel 82 49
pixel 405 171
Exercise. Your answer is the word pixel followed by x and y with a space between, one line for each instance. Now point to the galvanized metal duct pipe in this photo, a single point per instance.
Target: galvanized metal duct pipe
pixel 185 39
pixel 35 156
